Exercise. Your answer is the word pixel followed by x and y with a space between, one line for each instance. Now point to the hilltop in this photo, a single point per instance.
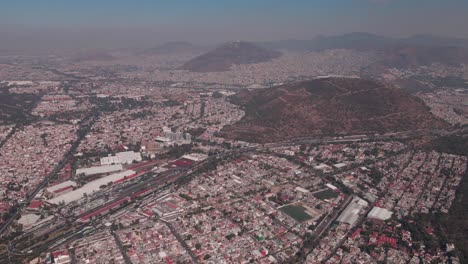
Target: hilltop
pixel 328 106
pixel 226 55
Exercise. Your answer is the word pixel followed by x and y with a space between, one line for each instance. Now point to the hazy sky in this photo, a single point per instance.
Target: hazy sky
pixel 89 23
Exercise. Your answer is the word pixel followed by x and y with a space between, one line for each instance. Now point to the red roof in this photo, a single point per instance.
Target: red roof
pixel 103 209
pixel 173 206
pixel 182 163
pixel 387 240
pixel 63 189
pixel 126 178
pixel 141 165
pixel 4 206
pixel 356 233
pixel 35 204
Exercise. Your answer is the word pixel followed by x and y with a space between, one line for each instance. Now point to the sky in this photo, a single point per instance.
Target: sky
pixel 126 23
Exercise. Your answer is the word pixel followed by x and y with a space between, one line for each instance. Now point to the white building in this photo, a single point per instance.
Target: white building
pixel 126 157
pixel 195 157
pixel 100 169
pixel 380 213
pixel 90 187
pixel 351 214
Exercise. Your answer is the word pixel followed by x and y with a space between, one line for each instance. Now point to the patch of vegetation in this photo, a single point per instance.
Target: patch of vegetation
pixel 14 108
pixel 454 225
pixel 327 194
pixel 457 145
pixel 297 212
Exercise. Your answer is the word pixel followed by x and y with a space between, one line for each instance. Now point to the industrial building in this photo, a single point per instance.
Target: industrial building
pixel 90 187
pixel 380 213
pixel 126 157
pixel 100 169
pixel 351 214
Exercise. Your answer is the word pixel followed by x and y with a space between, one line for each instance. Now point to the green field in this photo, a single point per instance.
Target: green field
pixel 297 212
pixel 327 194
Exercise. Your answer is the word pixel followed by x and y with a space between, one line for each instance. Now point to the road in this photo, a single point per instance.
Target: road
pixel 182 242
pixel 122 249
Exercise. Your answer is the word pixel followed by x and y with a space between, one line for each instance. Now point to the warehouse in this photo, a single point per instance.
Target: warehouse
pixel 126 157
pixel 90 187
pixel 380 213
pixel 351 214
pixel 99 169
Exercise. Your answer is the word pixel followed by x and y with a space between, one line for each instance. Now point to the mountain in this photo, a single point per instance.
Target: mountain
pixel 327 106
pixel 432 40
pixel 231 53
pixel 364 41
pixel 355 40
pixel 173 47
pixel 412 55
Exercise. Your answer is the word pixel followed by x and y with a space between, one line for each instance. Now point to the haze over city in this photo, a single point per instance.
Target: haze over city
pixel 120 24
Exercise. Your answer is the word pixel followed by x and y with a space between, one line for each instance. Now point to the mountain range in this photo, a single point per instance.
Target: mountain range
pixel 363 41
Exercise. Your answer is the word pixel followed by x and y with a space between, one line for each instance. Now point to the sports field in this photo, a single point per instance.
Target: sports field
pixel 297 212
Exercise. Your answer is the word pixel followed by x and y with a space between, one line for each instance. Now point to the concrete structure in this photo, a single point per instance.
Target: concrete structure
pixel 323 167
pixel 351 214
pixel 100 169
pixel 195 157
pixel 340 165
pixel 301 189
pixel 380 213
pixel 90 187
pixel 126 157
pixel 28 220
pixel 60 186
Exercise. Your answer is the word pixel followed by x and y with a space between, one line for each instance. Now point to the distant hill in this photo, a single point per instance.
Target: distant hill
pixel 416 50
pixel 355 40
pixel 226 55
pixel 363 41
pixel 173 47
pixel 328 106
pixel 432 40
pixel 408 55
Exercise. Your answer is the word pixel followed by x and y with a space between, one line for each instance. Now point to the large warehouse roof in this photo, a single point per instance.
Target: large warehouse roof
pixel 89 188
pixel 100 169
pixel 380 213
pixel 351 214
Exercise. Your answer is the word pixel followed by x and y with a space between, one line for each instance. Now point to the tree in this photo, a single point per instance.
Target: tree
pixel 303 148
pixel 217 95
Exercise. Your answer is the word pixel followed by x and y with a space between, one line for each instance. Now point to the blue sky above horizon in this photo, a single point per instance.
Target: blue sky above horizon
pixel 213 20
